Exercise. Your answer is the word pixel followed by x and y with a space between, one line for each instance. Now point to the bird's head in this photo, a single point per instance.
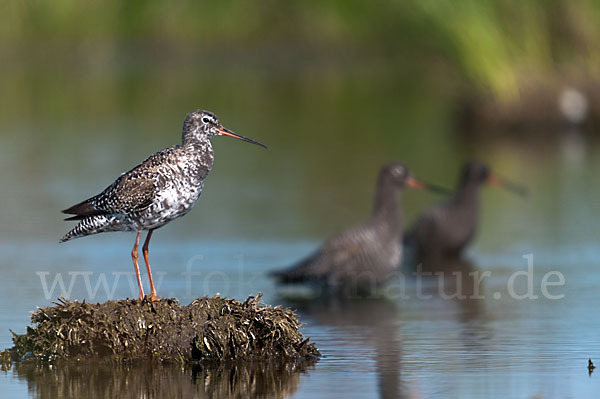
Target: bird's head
pixel 402 177
pixel 480 173
pixel 201 125
pixel 475 172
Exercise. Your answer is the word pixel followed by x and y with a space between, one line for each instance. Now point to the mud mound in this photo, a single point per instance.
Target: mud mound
pixel 207 329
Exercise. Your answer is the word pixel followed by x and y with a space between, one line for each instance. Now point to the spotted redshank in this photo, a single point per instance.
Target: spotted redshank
pixel 445 230
pixel 360 259
pixel 162 188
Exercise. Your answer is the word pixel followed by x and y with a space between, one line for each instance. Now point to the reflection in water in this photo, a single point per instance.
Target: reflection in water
pixel 377 321
pixel 460 282
pixel 456 279
pixel 147 380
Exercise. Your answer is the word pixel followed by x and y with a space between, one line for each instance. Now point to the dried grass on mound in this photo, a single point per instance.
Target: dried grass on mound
pixel 207 329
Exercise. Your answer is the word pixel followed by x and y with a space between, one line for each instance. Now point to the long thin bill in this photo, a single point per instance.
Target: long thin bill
pixel 228 132
pixel 438 189
pixel 414 183
pixel 508 185
pixel 514 187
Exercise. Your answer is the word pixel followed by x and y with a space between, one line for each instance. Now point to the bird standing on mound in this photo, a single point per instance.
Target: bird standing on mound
pixel 445 230
pixel 162 188
pixel 362 258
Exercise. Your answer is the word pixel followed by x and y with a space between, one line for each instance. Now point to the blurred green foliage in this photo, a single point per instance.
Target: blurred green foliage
pixel 499 43
pixel 106 52
pixel 335 88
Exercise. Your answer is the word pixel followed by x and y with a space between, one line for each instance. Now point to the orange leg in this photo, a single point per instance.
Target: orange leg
pixel 134 256
pixel 153 295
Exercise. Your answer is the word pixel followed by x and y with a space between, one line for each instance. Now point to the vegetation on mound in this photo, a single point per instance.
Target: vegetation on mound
pixel 207 329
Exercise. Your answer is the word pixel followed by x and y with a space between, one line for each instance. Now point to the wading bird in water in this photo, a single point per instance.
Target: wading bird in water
pixel 162 188
pixel 360 259
pixel 445 230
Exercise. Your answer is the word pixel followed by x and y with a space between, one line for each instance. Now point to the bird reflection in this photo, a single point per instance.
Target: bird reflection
pixel 377 319
pixel 461 286
pixel 456 279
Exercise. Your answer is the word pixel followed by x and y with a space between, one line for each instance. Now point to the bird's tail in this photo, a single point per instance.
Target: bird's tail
pixel 90 225
pixel 67 236
pixel 77 231
pixel 301 272
pixel 288 276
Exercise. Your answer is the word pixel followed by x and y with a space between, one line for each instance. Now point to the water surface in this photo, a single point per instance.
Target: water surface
pixel 266 209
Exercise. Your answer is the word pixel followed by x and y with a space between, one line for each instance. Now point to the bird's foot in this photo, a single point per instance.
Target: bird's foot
pixel 153 297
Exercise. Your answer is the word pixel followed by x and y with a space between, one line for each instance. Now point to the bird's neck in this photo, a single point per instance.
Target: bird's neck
pixel 467 194
pixel 386 200
pixel 199 150
pixel 196 143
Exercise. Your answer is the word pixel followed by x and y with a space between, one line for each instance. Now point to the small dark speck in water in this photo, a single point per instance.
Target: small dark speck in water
pixel 591 366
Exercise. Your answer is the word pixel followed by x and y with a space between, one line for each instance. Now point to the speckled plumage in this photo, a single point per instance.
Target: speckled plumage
pixel 359 259
pixel 162 188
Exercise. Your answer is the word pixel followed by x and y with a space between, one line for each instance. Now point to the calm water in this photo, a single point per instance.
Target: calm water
pixel 266 209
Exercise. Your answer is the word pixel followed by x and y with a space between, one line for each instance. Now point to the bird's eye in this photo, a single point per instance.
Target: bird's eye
pixel 205 120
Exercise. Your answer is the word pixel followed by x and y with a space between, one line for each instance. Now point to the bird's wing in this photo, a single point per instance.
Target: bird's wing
pixel 133 191
pixel 424 227
pixel 130 193
pixel 335 254
pixel 427 223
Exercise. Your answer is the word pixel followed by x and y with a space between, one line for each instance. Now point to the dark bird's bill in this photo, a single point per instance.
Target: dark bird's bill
pixel 228 132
